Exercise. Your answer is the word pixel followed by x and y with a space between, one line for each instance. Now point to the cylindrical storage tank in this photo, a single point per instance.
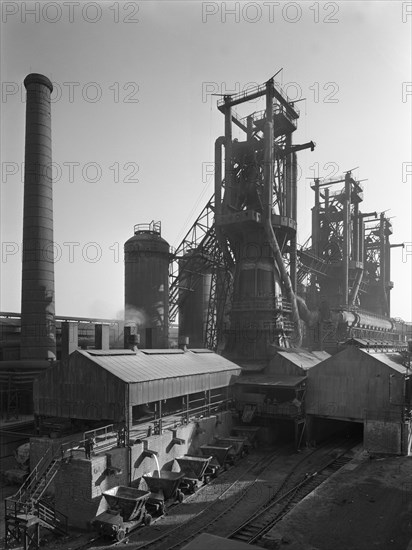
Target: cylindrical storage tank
pixel 194 294
pixel 38 331
pixel 146 259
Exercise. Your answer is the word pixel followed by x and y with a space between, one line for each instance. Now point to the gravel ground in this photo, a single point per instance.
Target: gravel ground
pixel 365 506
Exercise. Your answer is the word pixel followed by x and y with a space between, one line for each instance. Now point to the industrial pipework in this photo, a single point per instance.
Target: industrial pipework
pixel 38 332
pixel 255 218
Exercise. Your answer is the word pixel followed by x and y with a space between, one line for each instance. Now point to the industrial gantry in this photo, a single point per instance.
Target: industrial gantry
pixel 345 266
pixel 255 218
pixel 245 238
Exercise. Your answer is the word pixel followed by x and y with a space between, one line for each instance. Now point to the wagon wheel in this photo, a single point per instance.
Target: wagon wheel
pixel 121 533
pixel 147 520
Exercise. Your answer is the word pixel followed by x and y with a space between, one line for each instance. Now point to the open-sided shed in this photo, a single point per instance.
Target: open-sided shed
pixel 105 385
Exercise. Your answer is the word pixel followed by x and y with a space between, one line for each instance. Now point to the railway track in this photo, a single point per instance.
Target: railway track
pixel 232 491
pixel 288 495
pixel 225 488
pixel 291 491
pixel 286 498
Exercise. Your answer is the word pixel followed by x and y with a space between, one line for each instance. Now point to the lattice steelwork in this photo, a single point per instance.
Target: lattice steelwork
pixel 198 252
pixel 256 222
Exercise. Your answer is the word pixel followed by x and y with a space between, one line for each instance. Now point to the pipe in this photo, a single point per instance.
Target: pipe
pixel 267 211
pixel 380 323
pixel 294 186
pixel 289 183
pixel 346 239
pixel 293 262
pixel 383 260
pixel 220 141
pixel 361 236
pixel 315 219
pixel 38 330
pixel 310 317
pixel 348 317
pixel 361 319
pixel 228 155
pixel 355 224
pixel 218 174
pixel 355 288
pixel 293 242
pixel 267 220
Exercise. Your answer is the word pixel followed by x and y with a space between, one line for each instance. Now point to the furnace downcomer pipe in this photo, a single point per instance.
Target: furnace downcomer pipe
pixel 38 331
pixel 273 243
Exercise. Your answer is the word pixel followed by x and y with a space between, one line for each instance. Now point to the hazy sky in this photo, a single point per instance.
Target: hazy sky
pixel 134 124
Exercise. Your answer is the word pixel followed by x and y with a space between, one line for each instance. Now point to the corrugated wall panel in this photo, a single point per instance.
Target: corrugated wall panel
pixel 155 390
pixel 79 389
pixel 82 388
pixel 354 385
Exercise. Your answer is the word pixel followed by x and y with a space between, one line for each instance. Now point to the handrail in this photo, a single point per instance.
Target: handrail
pixel 252 91
pixel 104 430
pixel 243 94
pixel 180 418
pixel 39 471
pixel 152 227
pixel 58 519
pixel 33 476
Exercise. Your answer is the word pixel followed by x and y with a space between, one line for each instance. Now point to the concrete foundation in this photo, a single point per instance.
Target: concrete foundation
pixel 79 484
pixel 383 437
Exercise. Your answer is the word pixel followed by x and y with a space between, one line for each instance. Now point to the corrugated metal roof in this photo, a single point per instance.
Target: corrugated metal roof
pixel 392 360
pixel 371 343
pixel 280 381
pixel 304 359
pixel 142 366
pixel 111 352
pixel 256 366
pixel 162 351
pixel 358 341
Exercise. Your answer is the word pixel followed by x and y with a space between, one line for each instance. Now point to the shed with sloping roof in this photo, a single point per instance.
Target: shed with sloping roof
pixel 361 386
pixel 295 361
pixel 103 385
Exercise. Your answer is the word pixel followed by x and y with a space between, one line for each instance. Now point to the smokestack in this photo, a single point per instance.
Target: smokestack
pixel 38 331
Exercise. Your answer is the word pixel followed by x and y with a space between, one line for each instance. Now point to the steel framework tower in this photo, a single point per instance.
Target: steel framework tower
pixel 255 219
pixel 345 266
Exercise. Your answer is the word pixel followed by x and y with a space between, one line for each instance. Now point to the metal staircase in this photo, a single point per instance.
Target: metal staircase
pixel 25 511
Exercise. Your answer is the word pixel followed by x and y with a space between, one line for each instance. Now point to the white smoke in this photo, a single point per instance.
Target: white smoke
pixel 134 315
